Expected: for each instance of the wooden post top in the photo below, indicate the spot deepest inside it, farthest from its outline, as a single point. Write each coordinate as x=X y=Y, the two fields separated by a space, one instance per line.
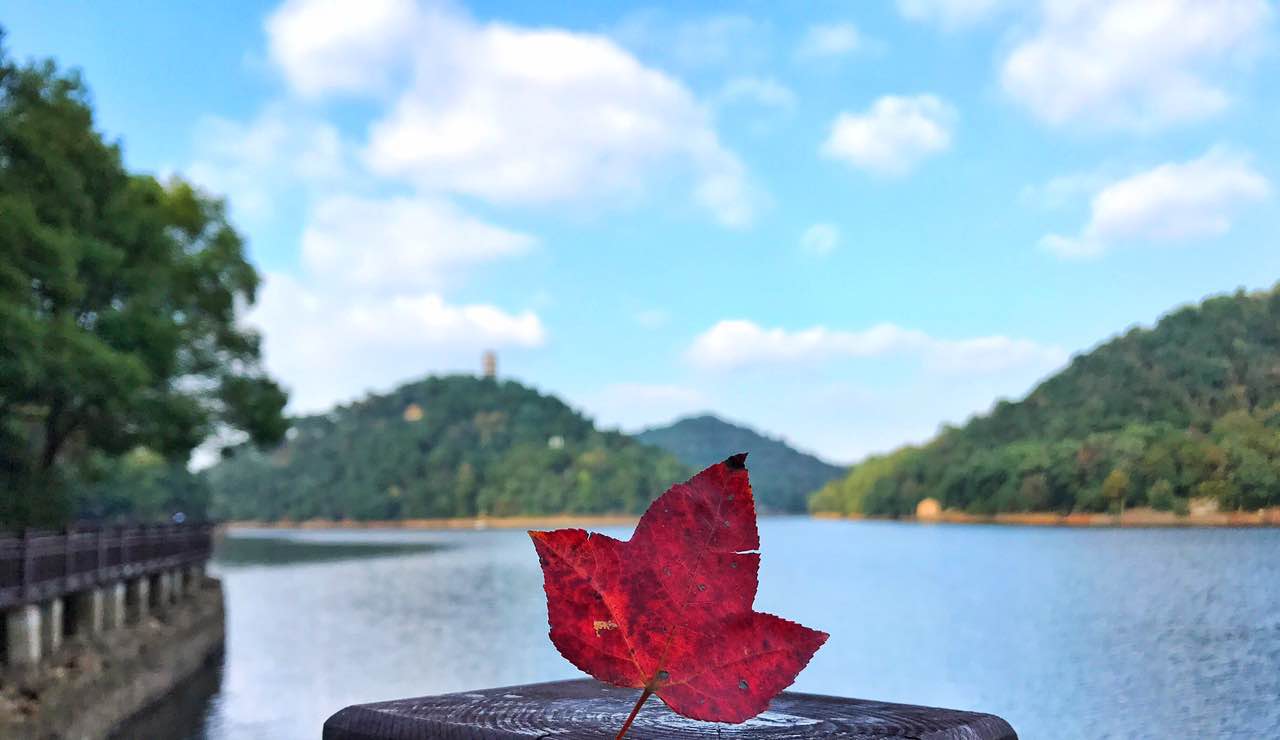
x=589 y=709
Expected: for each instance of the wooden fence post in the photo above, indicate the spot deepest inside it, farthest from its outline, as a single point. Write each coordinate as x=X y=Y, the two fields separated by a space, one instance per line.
x=68 y=556
x=28 y=565
x=101 y=563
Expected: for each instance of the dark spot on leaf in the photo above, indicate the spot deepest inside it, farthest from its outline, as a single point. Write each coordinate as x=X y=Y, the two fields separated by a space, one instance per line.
x=737 y=462
x=666 y=571
x=733 y=565
x=742 y=684
x=702 y=587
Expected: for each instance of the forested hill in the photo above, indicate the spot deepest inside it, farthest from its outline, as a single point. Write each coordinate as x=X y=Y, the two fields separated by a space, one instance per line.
x=1187 y=409
x=781 y=477
x=442 y=447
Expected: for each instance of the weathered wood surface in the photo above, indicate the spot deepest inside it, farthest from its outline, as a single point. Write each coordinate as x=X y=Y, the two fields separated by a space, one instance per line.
x=565 y=710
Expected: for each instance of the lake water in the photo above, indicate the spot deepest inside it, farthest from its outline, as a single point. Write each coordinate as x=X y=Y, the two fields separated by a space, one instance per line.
x=1066 y=633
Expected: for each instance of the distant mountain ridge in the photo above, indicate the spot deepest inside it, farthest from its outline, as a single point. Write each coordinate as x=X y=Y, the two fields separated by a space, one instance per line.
x=1189 y=408
x=782 y=477
x=453 y=446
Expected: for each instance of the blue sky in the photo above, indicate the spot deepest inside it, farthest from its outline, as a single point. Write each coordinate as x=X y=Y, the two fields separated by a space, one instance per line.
x=841 y=223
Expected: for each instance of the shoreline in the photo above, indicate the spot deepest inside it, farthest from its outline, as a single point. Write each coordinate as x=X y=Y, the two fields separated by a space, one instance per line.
x=558 y=521
x=1137 y=518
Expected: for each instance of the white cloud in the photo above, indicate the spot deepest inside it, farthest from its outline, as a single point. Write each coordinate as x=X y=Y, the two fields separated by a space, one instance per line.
x=506 y=114
x=1174 y=202
x=509 y=114
x=333 y=46
x=366 y=311
x=820 y=239
x=762 y=91
x=991 y=354
x=725 y=191
x=633 y=406
x=252 y=163
x=894 y=135
x=1060 y=191
x=848 y=393
x=949 y=14
x=694 y=43
x=1134 y=64
x=328 y=347
x=400 y=242
x=739 y=343
x=830 y=40
x=542 y=116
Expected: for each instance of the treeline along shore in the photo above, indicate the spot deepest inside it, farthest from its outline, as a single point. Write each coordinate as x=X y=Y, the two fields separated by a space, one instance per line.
x=1142 y=517
x=1134 y=517
x=1179 y=423
x=1176 y=425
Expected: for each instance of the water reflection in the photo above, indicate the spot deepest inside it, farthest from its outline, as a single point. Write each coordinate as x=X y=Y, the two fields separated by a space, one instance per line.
x=184 y=713
x=265 y=547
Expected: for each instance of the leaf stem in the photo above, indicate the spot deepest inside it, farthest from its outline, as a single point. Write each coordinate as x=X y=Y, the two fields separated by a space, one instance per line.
x=634 y=711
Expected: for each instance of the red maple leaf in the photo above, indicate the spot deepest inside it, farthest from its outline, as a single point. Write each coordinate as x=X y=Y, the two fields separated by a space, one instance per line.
x=669 y=611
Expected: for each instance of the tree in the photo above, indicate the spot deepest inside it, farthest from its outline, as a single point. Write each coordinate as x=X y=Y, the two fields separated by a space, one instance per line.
x=118 y=303
x=1161 y=497
x=1116 y=488
x=143 y=485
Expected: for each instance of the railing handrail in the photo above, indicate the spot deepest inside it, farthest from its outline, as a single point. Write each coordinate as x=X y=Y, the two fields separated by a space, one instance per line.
x=36 y=565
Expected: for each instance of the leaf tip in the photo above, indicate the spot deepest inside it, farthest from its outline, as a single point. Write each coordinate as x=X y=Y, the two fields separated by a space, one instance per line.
x=736 y=462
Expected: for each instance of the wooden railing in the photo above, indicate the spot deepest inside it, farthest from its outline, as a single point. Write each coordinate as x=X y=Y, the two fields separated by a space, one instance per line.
x=38 y=565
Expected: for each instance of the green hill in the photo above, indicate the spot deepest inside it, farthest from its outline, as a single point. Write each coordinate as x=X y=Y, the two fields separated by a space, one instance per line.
x=445 y=446
x=781 y=476
x=1187 y=409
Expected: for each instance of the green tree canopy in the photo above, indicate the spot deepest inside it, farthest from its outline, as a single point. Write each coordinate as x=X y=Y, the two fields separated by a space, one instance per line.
x=444 y=447
x=118 y=304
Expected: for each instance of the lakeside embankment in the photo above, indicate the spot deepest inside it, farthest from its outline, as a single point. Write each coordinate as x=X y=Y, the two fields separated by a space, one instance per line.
x=1136 y=517
x=92 y=685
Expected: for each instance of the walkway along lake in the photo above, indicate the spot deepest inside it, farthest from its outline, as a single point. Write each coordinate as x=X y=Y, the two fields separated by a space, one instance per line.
x=1067 y=633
